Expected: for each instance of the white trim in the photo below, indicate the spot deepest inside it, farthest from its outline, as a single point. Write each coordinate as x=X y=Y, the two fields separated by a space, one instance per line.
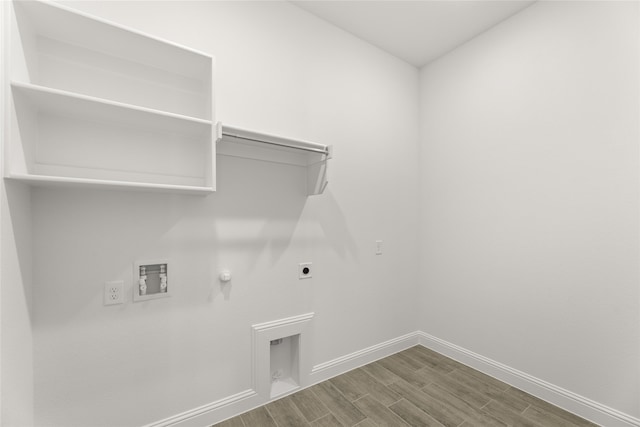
x=212 y=412
x=282 y=322
x=565 y=399
x=4 y=54
x=340 y=365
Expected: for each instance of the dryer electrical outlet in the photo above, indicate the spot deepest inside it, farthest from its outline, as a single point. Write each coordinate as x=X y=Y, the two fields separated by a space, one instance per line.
x=304 y=270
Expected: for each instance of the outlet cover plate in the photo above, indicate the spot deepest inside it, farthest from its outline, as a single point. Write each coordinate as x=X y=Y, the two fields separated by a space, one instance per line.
x=114 y=292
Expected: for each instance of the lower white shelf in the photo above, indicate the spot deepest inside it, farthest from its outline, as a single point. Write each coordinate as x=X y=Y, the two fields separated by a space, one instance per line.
x=58 y=138
x=44 y=180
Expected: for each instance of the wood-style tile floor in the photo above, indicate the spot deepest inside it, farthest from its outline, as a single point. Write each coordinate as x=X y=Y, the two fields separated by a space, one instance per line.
x=416 y=387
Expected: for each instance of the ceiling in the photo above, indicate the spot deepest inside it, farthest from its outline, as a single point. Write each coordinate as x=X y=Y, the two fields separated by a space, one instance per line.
x=415 y=31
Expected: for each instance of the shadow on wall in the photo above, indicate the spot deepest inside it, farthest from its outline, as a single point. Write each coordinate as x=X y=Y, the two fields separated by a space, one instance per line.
x=83 y=238
x=251 y=221
x=18 y=201
x=258 y=206
x=326 y=212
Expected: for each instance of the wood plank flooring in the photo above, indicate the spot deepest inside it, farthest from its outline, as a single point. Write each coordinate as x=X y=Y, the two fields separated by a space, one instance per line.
x=416 y=387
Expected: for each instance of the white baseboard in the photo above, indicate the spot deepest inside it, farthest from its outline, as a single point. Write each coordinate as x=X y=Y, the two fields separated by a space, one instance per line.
x=249 y=399
x=565 y=399
x=340 y=365
x=214 y=412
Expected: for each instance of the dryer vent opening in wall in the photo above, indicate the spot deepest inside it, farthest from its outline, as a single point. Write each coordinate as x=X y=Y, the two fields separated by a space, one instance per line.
x=281 y=354
x=284 y=365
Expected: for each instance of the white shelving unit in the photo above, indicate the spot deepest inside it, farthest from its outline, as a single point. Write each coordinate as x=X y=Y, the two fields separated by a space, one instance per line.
x=238 y=142
x=96 y=104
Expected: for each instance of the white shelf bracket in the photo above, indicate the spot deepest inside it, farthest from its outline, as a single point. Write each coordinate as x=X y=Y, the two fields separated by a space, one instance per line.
x=218 y=132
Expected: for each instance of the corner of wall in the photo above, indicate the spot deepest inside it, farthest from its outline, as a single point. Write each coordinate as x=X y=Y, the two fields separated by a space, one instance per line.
x=16 y=342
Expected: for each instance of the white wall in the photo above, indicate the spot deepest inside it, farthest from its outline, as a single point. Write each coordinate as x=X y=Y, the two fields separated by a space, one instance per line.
x=16 y=359
x=16 y=338
x=281 y=71
x=530 y=197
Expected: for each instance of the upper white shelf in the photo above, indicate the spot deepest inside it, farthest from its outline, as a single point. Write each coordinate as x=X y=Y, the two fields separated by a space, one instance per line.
x=239 y=142
x=71 y=182
x=84 y=107
x=58 y=22
x=99 y=105
x=58 y=47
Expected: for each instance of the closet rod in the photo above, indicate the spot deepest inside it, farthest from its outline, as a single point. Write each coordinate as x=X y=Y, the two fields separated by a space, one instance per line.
x=281 y=143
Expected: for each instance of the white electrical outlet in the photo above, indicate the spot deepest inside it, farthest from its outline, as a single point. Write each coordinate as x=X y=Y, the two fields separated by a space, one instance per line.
x=114 y=292
x=378 y=247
